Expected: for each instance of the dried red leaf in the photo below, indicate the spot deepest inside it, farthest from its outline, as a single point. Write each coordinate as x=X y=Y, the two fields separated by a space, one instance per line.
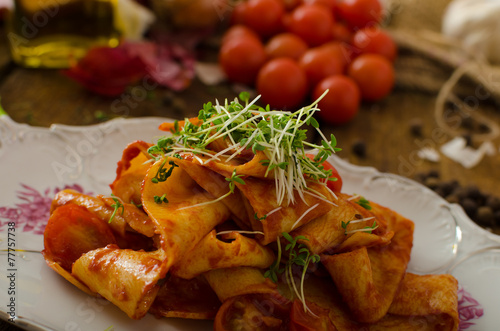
x=107 y=71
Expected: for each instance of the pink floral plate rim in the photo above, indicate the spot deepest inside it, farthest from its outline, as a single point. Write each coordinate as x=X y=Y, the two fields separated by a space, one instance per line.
x=31 y=212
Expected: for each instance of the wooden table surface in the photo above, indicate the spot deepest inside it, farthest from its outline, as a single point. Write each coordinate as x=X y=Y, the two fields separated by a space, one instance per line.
x=42 y=97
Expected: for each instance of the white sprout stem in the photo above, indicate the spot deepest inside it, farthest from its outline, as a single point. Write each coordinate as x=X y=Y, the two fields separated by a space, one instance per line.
x=240 y=231
x=361 y=220
x=278 y=174
x=273 y=211
x=227 y=133
x=192 y=150
x=332 y=193
x=301 y=183
x=216 y=156
x=278 y=150
x=315 y=193
x=231 y=120
x=303 y=299
x=303 y=215
x=290 y=184
x=361 y=230
x=354 y=197
x=292 y=280
x=113 y=197
x=309 y=144
x=239 y=150
x=301 y=112
x=296 y=291
x=315 y=103
x=323 y=136
x=206 y=202
x=278 y=142
x=320 y=198
x=198 y=159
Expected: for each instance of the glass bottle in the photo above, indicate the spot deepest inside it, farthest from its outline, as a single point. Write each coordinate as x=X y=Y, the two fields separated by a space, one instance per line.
x=56 y=33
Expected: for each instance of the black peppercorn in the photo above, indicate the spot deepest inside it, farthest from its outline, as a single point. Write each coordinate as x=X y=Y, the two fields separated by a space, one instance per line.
x=452 y=198
x=434 y=173
x=493 y=202
x=416 y=127
x=496 y=217
x=470 y=207
x=484 y=216
x=359 y=148
x=473 y=192
x=446 y=188
x=431 y=182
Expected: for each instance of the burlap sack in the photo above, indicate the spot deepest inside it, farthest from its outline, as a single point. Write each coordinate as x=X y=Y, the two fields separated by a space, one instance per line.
x=431 y=63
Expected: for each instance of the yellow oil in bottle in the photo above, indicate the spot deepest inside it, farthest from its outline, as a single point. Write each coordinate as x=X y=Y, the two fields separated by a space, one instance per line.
x=56 y=33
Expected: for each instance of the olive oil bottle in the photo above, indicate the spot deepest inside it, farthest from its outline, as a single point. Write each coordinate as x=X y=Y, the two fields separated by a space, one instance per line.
x=56 y=33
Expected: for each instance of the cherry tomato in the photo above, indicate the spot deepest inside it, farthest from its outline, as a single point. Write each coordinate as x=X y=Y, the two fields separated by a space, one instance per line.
x=313 y=23
x=320 y=62
x=301 y=320
x=374 y=75
x=282 y=83
x=330 y=4
x=264 y=16
x=257 y=312
x=360 y=13
x=334 y=185
x=340 y=50
x=340 y=32
x=238 y=31
x=291 y=4
x=375 y=40
x=286 y=45
x=341 y=104
x=237 y=14
x=241 y=59
x=72 y=231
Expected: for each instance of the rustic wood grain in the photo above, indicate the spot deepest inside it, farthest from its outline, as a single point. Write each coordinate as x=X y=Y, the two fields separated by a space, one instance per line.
x=44 y=97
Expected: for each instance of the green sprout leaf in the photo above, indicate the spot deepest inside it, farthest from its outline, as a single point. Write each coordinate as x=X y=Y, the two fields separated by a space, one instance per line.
x=241 y=124
x=298 y=255
x=162 y=174
x=256 y=217
x=117 y=205
x=161 y=199
x=364 y=203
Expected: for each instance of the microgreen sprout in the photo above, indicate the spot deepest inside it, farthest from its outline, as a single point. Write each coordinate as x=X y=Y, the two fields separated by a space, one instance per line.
x=161 y=148
x=275 y=269
x=232 y=186
x=256 y=217
x=239 y=231
x=367 y=229
x=161 y=199
x=138 y=205
x=364 y=203
x=162 y=174
x=117 y=205
x=241 y=124
x=299 y=255
x=233 y=180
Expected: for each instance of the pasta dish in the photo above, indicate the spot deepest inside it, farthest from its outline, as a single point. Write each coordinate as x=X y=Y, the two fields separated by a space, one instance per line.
x=231 y=217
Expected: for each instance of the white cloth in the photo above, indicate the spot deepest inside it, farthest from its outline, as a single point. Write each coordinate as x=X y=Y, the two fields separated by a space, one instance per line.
x=476 y=24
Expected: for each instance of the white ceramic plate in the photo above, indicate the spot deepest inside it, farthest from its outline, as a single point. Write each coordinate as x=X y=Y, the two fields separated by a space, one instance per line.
x=37 y=162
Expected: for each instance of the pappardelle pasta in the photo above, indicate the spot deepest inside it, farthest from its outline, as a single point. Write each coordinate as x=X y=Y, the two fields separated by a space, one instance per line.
x=228 y=218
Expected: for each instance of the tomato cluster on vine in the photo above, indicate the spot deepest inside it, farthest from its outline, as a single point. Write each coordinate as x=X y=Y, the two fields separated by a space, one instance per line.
x=295 y=50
